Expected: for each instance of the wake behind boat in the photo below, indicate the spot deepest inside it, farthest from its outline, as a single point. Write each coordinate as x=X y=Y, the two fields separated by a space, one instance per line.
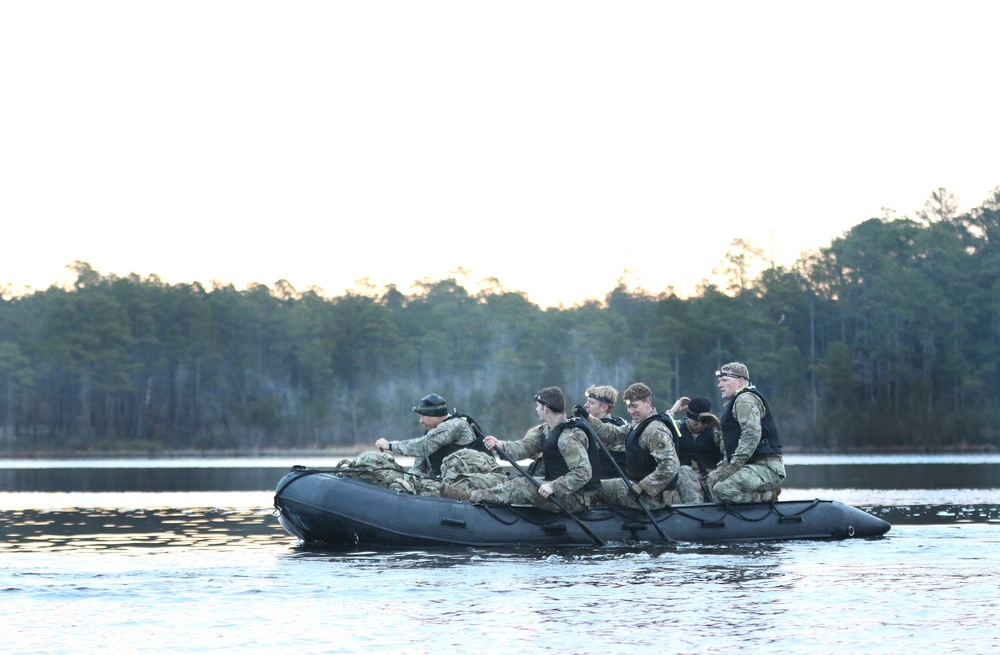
x=322 y=507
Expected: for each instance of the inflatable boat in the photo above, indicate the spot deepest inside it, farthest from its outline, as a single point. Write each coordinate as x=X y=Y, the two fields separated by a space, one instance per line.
x=345 y=513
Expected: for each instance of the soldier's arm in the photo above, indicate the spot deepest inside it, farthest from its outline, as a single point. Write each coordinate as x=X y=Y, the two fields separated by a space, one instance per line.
x=528 y=446
x=449 y=432
x=612 y=435
x=659 y=441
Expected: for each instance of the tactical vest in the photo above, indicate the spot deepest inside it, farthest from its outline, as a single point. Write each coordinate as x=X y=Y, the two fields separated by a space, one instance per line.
x=770 y=442
x=607 y=470
x=438 y=455
x=638 y=461
x=556 y=466
x=699 y=448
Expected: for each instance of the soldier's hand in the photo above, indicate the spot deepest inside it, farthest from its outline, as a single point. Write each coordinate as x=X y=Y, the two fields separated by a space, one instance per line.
x=382 y=445
x=680 y=405
x=490 y=442
x=581 y=411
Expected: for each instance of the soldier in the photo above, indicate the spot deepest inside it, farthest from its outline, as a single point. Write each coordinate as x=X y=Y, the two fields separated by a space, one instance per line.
x=754 y=469
x=700 y=443
x=569 y=455
x=651 y=463
x=444 y=434
x=600 y=401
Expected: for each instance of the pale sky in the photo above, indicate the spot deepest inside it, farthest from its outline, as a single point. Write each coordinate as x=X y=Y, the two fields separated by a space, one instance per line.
x=552 y=145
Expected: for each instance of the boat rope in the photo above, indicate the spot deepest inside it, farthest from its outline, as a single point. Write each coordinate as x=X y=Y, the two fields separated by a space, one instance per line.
x=808 y=507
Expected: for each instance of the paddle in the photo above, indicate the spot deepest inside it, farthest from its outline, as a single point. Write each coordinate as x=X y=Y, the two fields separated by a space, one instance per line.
x=552 y=499
x=638 y=497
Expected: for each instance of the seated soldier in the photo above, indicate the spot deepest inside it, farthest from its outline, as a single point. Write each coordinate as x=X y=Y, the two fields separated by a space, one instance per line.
x=651 y=465
x=569 y=454
x=444 y=435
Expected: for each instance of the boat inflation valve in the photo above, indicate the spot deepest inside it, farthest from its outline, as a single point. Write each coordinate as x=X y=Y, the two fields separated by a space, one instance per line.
x=850 y=531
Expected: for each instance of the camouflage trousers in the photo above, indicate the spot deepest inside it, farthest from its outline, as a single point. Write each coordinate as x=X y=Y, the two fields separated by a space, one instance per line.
x=748 y=484
x=616 y=493
x=521 y=491
x=685 y=489
x=689 y=486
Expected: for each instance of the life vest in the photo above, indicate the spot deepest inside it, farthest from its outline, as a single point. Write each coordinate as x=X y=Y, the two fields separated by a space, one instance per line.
x=700 y=448
x=638 y=461
x=556 y=466
x=438 y=455
x=770 y=442
x=607 y=470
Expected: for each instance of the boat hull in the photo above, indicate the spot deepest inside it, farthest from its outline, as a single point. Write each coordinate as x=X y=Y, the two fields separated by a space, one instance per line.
x=343 y=513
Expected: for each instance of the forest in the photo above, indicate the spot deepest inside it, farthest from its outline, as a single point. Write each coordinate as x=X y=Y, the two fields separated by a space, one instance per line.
x=886 y=340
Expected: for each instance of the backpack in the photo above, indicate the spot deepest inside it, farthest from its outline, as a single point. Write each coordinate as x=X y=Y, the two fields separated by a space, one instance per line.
x=372 y=466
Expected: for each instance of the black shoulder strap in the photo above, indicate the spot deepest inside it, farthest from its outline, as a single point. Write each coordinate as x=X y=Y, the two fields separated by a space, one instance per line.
x=476 y=430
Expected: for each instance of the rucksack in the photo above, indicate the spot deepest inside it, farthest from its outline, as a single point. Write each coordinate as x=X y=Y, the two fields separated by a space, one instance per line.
x=372 y=466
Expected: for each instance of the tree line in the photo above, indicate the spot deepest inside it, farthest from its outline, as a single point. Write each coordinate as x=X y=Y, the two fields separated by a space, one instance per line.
x=889 y=338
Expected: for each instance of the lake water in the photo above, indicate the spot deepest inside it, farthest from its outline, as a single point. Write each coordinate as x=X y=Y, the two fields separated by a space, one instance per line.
x=152 y=567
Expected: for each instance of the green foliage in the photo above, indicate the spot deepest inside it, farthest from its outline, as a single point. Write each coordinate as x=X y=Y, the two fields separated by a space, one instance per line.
x=887 y=338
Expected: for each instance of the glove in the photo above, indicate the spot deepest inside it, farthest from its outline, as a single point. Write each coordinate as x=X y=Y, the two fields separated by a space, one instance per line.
x=581 y=411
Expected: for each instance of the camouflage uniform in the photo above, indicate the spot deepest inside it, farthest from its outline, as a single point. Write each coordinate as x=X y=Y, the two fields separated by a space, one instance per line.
x=453 y=430
x=738 y=481
x=466 y=470
x=573 y=448
x=663 y=486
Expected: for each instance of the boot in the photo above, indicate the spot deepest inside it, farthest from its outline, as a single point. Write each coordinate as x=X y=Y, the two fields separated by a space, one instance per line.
x=448 y=491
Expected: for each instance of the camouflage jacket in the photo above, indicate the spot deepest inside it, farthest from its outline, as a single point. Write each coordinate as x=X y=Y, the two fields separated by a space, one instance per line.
x=572 y=447
x=748 y=411
x=657 y=439
x=451 y=431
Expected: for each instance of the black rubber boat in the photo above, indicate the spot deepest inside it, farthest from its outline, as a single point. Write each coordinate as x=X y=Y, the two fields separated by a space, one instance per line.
x=322 y=507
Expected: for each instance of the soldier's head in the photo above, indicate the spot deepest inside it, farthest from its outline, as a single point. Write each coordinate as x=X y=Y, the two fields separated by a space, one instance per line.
x=733 y=377
x=699 y=414
x=432 y=411
x=639 y=401
x=549 y=402
x=600 y=400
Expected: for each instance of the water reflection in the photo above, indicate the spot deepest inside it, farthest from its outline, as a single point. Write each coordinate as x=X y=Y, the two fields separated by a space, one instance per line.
x=103 y=529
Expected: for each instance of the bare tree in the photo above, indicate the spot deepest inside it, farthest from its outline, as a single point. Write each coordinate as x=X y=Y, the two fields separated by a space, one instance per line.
x=941 y=206
x=738 y=264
